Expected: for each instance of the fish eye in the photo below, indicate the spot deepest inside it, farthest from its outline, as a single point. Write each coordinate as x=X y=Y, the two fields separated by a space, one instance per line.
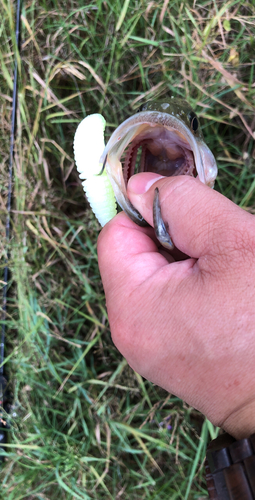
x=193 y=121
x=142 y=108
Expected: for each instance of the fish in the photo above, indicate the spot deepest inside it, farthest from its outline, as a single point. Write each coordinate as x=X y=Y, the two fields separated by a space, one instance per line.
x=163 y=137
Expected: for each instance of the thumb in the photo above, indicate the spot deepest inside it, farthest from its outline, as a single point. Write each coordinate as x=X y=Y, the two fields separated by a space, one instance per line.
x=201 y=221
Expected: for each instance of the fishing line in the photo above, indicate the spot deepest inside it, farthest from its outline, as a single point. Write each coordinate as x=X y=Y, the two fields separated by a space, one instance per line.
x=3 y=379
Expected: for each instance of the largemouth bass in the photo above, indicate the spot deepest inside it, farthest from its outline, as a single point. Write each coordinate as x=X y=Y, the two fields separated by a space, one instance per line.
x=164 y=137
x=170 y=141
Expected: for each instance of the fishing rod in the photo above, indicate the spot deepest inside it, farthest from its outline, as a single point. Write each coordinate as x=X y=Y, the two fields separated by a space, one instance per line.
x=4 y=393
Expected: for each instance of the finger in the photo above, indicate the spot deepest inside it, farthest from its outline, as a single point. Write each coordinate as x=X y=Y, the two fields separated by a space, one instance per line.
x=201 y=221
x=120 y=246
x=128 y=256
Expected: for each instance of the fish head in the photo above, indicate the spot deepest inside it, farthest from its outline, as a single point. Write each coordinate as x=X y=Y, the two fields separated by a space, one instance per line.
x=163 y=137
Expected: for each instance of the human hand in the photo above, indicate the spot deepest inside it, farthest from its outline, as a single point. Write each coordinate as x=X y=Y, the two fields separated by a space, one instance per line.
x=188 y=326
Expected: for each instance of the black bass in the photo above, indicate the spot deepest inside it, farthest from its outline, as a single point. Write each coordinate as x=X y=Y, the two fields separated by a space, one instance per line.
x=162 y=137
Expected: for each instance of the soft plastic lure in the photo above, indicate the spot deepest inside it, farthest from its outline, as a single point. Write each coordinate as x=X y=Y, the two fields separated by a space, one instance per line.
x=88 y=148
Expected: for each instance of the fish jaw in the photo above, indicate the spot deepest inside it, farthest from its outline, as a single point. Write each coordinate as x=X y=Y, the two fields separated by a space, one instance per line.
x=120 y=191
x=209 y=164
x=156 y=128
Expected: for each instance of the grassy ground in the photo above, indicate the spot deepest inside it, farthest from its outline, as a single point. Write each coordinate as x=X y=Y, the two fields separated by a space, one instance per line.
x=84 y=426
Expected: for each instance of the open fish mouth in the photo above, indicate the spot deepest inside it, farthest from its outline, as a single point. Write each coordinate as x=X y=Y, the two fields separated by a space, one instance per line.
x=165 y=143
x=158 y=150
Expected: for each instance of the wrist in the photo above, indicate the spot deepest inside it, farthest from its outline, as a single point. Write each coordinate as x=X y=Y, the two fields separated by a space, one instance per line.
x=241 y=423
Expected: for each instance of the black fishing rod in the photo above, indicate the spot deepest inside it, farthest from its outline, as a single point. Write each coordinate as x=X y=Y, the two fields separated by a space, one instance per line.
x=4 y=397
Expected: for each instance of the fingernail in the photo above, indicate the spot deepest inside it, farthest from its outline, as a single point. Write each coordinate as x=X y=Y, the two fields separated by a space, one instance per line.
x=140 y=183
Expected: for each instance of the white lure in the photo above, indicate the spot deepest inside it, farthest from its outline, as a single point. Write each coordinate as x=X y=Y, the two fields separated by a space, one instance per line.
x=88 y=148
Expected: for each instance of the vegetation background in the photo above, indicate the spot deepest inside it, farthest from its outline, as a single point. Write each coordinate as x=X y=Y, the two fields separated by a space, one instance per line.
x=83 y=424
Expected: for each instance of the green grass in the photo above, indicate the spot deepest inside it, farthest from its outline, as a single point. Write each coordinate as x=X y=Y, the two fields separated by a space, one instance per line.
x=83 y=425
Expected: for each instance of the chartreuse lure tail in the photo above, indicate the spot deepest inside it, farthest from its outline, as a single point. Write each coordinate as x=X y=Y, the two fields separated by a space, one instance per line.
x=88 y=148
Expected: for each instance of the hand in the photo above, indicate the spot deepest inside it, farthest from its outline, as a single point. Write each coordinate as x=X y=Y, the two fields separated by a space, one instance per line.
x=188 y=326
